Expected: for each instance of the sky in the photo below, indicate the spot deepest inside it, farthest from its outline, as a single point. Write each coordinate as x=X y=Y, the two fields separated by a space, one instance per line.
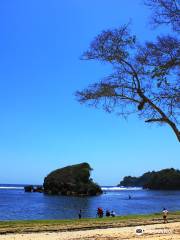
x=42 y=126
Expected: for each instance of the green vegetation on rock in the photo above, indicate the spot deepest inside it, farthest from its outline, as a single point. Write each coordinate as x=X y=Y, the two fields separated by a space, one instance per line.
x=71 y=180
x=166 y=179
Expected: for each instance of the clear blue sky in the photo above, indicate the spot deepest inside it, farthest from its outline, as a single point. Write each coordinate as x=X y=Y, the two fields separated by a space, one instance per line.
x=42 y=126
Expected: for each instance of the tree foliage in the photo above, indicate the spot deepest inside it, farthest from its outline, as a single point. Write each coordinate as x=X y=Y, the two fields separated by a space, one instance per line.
x=165 y=12
x=144 y=79
x=166 y=179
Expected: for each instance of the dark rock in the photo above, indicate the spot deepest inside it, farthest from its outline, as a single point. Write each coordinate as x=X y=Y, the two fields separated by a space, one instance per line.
x=38 y=189
x=28 y=188
x=31 y=188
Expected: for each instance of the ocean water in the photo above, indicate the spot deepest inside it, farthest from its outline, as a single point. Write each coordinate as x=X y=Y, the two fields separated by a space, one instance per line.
x=15 y=204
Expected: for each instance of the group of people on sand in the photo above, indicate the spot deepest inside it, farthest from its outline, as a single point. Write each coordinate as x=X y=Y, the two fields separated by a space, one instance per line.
x=100 y=213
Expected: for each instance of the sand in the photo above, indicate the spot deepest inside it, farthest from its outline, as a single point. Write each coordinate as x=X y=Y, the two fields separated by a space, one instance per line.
x=152 y=232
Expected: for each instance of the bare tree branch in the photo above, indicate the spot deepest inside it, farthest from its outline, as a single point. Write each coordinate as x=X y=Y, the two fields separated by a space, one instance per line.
x=145 y=79
x=154 y=120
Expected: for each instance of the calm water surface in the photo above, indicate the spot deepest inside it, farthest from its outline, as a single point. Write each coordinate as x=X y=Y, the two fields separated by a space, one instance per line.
x=15 y=204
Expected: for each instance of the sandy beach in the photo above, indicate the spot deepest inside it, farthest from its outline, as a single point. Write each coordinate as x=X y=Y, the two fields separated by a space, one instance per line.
x=151 y=232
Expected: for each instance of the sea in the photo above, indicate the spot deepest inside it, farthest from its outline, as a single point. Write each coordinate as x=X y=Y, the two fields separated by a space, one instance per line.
x=15 y=204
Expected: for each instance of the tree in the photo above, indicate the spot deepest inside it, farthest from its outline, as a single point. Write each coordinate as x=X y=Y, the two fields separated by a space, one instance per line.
x=145 y=79
x=165 y=12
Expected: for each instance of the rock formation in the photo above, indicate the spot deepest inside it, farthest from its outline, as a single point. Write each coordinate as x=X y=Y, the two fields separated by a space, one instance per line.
x=71 y=181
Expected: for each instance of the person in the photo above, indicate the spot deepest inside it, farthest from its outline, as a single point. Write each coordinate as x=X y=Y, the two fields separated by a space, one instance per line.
x=108 y=214
x=165 y=213
x=100 y=212
x=113 y=214
x=130 y=197
x=80 y=214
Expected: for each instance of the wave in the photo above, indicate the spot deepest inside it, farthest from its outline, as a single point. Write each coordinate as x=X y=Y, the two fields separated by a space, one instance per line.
x=120 y=188
x=5 y=187
x=11 y=188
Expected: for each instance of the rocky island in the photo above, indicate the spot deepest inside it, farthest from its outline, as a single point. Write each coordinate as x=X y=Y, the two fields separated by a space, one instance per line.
x=71 y=181
x=165 y=179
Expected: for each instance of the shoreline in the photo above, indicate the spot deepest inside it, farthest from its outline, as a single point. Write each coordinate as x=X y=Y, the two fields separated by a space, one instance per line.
x=43 y=226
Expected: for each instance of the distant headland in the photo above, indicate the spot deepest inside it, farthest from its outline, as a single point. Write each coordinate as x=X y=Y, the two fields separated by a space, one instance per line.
x=165 y=179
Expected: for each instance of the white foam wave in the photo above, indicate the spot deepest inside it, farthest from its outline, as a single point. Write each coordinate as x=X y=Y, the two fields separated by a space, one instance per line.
x=11 y=188
x=120 y=188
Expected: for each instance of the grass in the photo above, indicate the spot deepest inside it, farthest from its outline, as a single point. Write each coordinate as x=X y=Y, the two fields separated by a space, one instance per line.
x=83 y=224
